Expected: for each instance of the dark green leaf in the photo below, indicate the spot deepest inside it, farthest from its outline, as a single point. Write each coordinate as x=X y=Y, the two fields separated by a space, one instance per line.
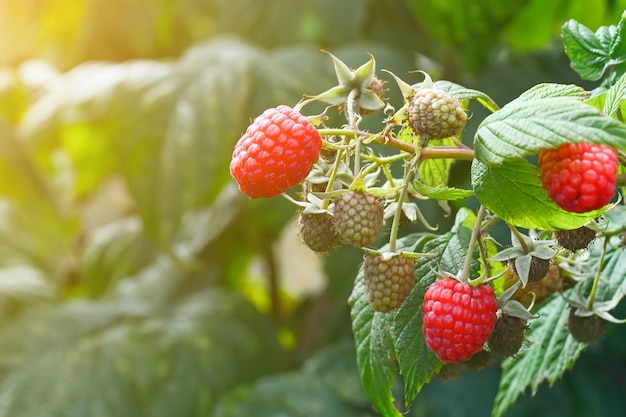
x=328 y=385
x=91 y=358
x=374 y=350
x=417 y=362
x=551 y=350
x=592 y=53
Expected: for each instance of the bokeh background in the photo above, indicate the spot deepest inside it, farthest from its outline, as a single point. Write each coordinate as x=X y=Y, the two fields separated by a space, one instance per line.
x=136 y=281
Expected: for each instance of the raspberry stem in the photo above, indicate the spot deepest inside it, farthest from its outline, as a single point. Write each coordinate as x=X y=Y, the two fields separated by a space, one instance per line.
x=470 y=250
x=333 y=176
x=596 y=279
x=431 y=152
x=353 y=120
x=408 y=170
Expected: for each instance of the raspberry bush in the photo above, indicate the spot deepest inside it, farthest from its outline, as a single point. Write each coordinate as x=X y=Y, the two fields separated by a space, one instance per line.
x=544 y=164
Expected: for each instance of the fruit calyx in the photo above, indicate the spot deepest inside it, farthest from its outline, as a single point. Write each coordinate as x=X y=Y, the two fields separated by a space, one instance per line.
x=529 y=257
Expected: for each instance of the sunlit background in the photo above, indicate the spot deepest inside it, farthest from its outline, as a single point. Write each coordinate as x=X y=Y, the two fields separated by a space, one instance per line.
x=136 y=281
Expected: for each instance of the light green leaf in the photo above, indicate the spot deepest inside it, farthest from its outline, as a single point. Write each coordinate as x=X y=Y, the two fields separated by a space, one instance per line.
x=465 y=94
x=515 y=193
x=433 y=172
x=441 y=192
x=534 y=122
x=615 y=97
x=25 y=283
x=592 y=53
x=112 y=252
x=551 y=90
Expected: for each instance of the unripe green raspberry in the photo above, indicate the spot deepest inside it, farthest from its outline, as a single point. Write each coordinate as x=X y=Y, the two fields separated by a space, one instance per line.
x=358 y=217
x=317 y=231
x=435 y=114
x=388 y=280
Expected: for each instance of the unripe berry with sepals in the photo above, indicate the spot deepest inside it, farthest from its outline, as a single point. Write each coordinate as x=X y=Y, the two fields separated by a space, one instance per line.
x=508 y=335
x=435 y=114
x=585 y=329
x=388 y=280
x=457 y=318
x=277 y=151
x=359 y=217
x=538 y=268
x=537 y=291
x=575 y=239
x=317 y=231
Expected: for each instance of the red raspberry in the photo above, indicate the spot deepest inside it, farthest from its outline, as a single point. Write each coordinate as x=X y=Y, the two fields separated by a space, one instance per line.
x=579 y=177
x=277 y=151
x=457 y=318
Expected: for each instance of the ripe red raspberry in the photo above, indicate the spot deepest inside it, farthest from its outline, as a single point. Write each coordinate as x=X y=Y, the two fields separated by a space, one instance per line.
x=579 y=177
x=277 y=151
x=457 y=318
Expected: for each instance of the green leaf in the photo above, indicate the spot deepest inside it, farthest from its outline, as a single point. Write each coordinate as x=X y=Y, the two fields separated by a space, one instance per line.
x=552 y=350
x=433 y=172
x=114 y=252
x=615 y=97
x=465 y=94
x=538 y=120
x=327 y=385
x=418 y=362
x=374 y=350
x=551 y=90
x=374 y=345
x=515 y=193
x=150 y=357
x=442 y=193
x=592 y=53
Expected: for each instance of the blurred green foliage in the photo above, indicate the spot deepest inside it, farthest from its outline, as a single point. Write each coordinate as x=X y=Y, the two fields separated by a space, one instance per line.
x=127 y=256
